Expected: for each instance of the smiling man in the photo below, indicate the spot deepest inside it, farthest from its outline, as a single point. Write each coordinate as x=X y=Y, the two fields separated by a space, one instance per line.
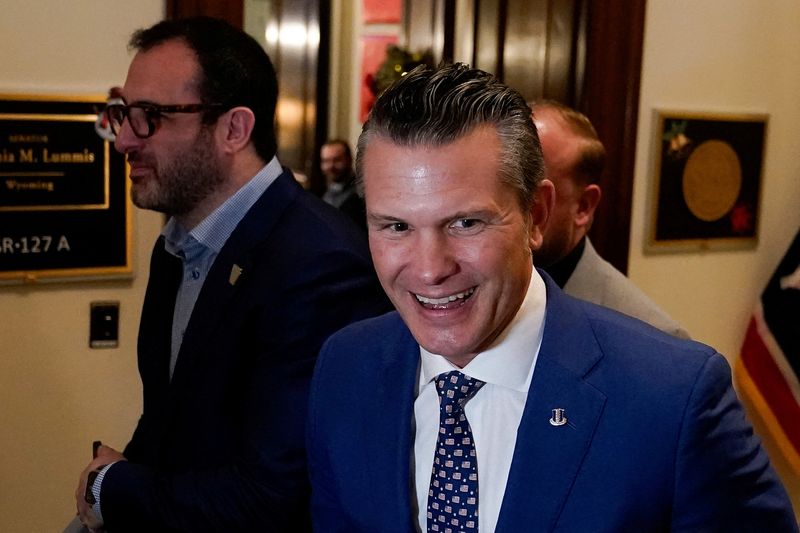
x=491 y=401
x=248 y=278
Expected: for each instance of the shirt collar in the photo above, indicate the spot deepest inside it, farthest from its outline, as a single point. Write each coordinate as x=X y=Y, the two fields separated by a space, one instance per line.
x=213 y=231
x=510 y=360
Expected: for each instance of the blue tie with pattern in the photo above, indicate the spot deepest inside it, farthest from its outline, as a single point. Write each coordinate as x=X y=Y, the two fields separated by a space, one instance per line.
x=453 y=494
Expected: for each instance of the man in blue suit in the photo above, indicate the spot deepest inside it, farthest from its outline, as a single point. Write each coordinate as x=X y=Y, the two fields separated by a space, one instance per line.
x=492 y=401
x=249 y=277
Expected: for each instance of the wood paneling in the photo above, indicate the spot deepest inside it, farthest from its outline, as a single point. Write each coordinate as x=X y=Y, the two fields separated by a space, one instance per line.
x=560 y=58
x=489 y=32
x=525 y=47
x=614 y=36
x=230 y=10
x=421 y=31
x=464 y=33
x=295 y=55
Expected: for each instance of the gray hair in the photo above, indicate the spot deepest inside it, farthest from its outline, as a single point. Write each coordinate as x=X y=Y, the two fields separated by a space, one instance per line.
x=434 y=107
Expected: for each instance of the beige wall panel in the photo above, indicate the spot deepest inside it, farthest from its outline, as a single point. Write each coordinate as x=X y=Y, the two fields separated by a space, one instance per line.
x=57 y=395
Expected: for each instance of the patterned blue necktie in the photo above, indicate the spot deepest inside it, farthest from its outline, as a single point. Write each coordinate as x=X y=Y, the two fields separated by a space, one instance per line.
x=453 y=494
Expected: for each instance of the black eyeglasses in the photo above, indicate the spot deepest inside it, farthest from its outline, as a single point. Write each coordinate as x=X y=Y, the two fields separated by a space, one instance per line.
x=145 y=118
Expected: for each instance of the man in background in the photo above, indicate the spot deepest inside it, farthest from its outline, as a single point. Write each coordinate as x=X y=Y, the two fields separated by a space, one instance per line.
x=492 y=401
x=574 y=159
x=249 y=276
x=336 y=162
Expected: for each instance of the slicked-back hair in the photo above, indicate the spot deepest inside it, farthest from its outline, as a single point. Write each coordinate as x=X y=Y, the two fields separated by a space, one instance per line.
x=592 y=154
x=235 y=71
x=435 y=107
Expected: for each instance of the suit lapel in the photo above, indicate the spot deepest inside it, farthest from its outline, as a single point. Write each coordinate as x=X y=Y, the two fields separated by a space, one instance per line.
x=155 y=333
x=389 y=445
x=547 y=457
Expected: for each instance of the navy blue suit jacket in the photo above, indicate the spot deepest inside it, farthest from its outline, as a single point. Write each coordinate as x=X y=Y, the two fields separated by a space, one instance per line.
x=221 y=446
x=655 y=441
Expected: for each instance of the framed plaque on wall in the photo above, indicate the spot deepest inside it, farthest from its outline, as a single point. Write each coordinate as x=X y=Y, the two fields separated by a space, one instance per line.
x=707 y=180
x=65 y=211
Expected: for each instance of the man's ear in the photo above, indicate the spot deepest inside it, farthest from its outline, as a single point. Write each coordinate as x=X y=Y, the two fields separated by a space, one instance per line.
x=234 y=129
x=544 y=201
x=587 y=203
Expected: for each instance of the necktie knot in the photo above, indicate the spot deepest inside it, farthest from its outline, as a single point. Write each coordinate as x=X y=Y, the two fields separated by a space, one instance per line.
x=455 y=389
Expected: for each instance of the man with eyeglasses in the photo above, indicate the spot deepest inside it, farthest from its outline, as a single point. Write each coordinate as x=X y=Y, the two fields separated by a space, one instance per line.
x=249 y=276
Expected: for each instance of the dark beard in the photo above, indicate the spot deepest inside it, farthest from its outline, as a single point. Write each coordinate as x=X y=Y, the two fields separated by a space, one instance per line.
x=191 y=177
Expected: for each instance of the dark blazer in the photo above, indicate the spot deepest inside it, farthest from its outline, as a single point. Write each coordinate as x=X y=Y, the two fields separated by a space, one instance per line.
x=355 y=208
x=221 y=447
x=655 y=441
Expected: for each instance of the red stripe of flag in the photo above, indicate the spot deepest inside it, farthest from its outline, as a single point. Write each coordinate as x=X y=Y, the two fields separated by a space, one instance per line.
x=771 y=383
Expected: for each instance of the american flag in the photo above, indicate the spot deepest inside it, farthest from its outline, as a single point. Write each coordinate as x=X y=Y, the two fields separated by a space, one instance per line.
x=769 y=367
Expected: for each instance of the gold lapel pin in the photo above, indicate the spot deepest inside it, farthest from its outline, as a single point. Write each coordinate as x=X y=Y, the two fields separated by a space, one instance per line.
x=236 y=271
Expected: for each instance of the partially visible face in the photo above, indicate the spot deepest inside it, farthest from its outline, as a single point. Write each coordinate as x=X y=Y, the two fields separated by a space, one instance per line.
x=335 y=164
x=175 y=169
x=450 y=242
x=560 y=151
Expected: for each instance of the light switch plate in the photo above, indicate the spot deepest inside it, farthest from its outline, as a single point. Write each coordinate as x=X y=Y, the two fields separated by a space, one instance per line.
x=104 y=325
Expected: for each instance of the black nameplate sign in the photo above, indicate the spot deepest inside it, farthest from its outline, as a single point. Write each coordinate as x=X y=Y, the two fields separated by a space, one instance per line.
x=65 y=212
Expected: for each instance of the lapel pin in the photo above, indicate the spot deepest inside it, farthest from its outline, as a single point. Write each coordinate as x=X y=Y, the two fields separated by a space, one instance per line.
x=558 y=418
x=236 y=271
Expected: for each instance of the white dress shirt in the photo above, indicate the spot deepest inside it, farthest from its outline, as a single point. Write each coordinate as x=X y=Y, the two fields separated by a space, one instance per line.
x=494 y=413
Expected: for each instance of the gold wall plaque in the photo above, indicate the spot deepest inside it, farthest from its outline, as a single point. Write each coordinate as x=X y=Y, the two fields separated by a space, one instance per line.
x=706 y=187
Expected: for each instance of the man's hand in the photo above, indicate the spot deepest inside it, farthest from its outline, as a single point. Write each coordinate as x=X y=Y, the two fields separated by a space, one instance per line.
x=105 y=456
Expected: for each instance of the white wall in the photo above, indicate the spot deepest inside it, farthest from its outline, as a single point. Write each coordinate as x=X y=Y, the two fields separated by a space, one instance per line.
x=57 y=395
x=721 y=55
